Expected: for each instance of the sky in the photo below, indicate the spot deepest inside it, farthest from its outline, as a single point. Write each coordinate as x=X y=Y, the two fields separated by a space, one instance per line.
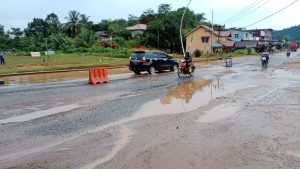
x=17 y=13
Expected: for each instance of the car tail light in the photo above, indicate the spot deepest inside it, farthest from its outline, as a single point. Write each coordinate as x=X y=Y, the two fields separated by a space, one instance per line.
x=143 y=60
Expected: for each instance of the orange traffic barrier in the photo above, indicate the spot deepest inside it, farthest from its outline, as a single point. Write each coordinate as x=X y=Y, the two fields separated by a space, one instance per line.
x=104 y=75
x=98 y=75
x=92 y=79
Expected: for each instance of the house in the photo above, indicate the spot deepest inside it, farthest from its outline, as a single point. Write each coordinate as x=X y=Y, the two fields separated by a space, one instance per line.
x=104 y=36
x=262 y=34
x=200 y=38
x=228 y=46
x=238 y=35
x=246 y=44
x=137 y=29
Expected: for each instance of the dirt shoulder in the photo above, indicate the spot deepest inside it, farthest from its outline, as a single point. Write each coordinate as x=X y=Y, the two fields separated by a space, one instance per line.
x=262 y=133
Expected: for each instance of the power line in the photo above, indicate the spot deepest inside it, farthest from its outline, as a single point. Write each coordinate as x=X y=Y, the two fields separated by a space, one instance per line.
x=239 y=18
x=242 y=11
x=272 y=14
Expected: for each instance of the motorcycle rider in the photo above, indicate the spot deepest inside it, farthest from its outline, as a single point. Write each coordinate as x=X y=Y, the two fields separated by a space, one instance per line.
x=266 y=53
x=188 y=59
x=288 y=52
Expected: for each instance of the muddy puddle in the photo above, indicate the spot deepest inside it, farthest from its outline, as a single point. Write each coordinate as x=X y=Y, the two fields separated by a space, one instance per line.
x=188 y=96
x=220 y=112
x=53 y=77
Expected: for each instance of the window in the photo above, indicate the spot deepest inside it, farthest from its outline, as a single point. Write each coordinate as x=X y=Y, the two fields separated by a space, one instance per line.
x=236 y=36
x=205 y=39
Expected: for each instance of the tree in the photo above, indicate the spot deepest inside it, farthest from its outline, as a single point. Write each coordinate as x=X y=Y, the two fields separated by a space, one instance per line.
x=2 y=32
x=38 y=28
x=3 y=39
x=60 y=42
x=85 y=22
x=72 y=24
x=147 y=16
x=164 y=9
x=54 y=23
x=16 y=32
x=85 y=39
x=132 y=20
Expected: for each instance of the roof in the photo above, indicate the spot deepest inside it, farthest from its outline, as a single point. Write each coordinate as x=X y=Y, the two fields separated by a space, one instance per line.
x=246 y=43
x=101 y=33
x=228 y=43
x=137 y=27
x=254 y=30
x=238 y=29
x=222 y=33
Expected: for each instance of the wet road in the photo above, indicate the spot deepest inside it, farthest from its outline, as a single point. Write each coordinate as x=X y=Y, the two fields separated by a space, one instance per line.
x=35 y=119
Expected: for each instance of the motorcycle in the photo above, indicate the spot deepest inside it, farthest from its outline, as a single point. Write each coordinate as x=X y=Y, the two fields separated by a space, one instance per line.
x=264 y=60
x=184 y=70
x=288 y=54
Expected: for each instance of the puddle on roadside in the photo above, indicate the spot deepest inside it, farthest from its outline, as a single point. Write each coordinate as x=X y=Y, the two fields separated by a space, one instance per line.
x=184 y=97
x=39 y=114
x=217 y=113
x=188 y=96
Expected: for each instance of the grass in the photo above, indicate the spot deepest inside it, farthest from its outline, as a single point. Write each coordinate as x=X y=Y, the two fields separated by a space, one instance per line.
x=22 y=64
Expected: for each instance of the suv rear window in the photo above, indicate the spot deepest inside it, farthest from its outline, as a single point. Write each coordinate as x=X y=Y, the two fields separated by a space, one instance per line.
x=137 y=55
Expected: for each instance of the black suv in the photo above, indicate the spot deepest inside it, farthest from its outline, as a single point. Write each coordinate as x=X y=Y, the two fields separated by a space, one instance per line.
x=151 y=61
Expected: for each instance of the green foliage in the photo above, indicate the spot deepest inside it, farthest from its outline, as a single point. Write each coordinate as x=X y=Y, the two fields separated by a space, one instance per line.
x=246 y=51
x=249 y=51
x=290 y=34
x=38 y=29
x=79 y=31
x=85 y=39
x=60 y=42
x=197 y=53
x=54 y=24
x=72 y=25
x=120 y=41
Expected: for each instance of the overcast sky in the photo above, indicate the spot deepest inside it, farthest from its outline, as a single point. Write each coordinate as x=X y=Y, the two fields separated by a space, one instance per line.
x=17 y=13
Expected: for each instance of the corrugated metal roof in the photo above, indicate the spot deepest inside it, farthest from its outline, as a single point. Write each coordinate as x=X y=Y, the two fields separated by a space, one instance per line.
x=228 y=43
x=137 y=27
x=222 y=33
x=246 y=43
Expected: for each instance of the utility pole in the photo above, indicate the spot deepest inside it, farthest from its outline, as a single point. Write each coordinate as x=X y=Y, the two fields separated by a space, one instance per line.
x=181 y=23
x=212 y=29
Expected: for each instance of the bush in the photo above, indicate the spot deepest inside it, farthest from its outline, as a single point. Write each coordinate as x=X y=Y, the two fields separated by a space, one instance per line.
x=197 y=53
x=249 y=51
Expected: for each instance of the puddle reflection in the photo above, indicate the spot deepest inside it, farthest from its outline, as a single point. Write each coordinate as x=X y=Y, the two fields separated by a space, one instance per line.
x=185 y=91
x=184 y=97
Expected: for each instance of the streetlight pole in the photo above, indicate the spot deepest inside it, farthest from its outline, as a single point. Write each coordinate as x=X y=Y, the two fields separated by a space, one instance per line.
x=182 y=46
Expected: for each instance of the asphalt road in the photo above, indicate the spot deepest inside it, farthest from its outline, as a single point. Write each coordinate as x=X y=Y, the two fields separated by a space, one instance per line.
x=36 y=118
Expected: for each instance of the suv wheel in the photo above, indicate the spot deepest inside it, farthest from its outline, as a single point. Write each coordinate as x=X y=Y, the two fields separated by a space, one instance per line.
x=152 y=70
x=137 y=72
x=174 y=68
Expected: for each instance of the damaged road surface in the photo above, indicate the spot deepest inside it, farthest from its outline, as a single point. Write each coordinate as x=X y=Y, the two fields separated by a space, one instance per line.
x=240 y=117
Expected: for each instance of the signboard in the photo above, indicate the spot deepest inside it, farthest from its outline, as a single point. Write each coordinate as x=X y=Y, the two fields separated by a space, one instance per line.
x=49 y=52
x=35 y=54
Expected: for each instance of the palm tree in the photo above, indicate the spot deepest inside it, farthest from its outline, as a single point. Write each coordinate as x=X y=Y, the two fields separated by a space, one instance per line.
x=73 y=22
x=84 y=21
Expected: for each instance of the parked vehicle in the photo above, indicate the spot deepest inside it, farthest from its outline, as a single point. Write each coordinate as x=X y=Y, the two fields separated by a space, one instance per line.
x=184 y=70
x=151 y=61
x=293 y=46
